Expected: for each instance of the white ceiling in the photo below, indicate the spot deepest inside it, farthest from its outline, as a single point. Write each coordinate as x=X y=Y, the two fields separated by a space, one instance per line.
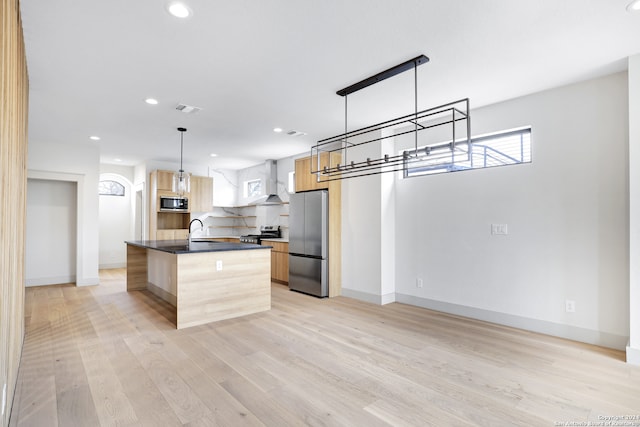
x=253 y=65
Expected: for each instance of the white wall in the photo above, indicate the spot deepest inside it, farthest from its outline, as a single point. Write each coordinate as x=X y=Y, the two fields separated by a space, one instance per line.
x=362 y=231
x=225 y=187
x=59 y=162
x=566 y=212
x=51 y=232
x=116 y=219
x=127 y=172
x=633 y=349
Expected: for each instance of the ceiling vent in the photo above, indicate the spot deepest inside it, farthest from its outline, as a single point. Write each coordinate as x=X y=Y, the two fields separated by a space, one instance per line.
x=295 y=133
x=187 y=109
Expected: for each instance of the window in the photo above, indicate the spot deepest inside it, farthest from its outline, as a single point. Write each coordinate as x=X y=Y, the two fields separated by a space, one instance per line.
x=110 y=188
x=252 y=188
x=291 y=188
x=504 y=148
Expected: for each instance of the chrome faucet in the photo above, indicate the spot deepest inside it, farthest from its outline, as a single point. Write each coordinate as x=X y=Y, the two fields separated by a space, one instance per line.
x=201 y=228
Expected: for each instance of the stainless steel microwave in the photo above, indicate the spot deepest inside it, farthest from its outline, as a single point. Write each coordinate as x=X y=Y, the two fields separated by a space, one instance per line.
x=174 y=204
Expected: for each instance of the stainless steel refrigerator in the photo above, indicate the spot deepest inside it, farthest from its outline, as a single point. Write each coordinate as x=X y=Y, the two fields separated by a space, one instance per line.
x=309 y=243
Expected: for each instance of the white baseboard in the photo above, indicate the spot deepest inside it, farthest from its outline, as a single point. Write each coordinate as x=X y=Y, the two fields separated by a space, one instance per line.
x=112 y=265
x=367 y=297
x=61 y=280
x=574 y=333
x=88 y=281
x=45 y=281
x=388 y=298
x=633 y=355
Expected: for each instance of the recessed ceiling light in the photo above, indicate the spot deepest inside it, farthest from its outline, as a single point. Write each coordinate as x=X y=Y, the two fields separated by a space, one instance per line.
x=95 y=138
x=151 y=101
x=179 y=10
x=213 y=155
x=117 y=160
x=277 y=130
x=634 y=6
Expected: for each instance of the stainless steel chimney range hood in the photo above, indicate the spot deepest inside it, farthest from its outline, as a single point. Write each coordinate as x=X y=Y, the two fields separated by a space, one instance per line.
x=272 y=198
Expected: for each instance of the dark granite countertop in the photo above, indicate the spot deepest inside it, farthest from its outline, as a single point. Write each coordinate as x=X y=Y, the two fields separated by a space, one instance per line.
x=181 y=246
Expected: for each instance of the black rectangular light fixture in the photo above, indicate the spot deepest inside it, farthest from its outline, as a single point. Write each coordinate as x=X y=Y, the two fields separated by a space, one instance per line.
x=338 y=165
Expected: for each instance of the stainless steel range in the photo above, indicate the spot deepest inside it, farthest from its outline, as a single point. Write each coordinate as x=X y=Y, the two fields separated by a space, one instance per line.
x=266 y=232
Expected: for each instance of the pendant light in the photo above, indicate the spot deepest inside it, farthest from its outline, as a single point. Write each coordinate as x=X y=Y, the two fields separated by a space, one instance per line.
x=181 y=181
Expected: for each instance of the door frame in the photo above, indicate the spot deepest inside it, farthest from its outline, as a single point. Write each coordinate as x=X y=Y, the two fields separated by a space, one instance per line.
x=79 y=180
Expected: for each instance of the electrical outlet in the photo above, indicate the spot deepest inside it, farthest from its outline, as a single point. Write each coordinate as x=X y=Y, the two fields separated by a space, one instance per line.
x=219 y=265
x=499 y=229
x=570 y=306
x=418 y=283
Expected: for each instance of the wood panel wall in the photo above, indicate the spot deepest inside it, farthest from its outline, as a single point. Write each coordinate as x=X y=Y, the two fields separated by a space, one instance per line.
x=14 y=91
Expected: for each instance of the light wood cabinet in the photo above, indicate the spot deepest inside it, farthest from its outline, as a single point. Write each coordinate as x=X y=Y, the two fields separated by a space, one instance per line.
x=174 y=225
x=201 y=195
x=165 y=235
x=305 y=180
x=279 y=261
x=172 y=234
x=164 y=180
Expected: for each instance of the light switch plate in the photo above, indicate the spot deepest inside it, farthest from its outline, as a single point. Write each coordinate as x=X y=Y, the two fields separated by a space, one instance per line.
x=219 y=265
x=499 y=229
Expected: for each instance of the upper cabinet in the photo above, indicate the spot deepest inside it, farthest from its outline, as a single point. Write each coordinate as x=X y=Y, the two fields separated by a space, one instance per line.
x=164 y=180
x=305 y=180
x=201 y=196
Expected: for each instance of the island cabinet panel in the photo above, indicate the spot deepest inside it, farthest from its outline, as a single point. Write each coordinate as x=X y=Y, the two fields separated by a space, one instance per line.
x=206 y=294
x=136 y=268
x=162 y=275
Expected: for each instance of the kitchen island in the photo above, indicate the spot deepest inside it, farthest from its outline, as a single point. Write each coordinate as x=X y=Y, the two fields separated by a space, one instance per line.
x=206 y=281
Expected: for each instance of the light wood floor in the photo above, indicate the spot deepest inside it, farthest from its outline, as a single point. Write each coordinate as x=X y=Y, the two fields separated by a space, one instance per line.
x=101 y=356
